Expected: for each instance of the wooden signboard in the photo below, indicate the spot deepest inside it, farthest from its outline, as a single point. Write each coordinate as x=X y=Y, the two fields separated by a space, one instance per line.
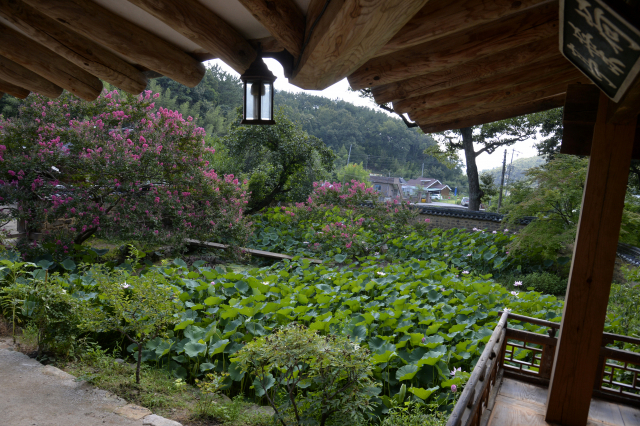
x=601 y=44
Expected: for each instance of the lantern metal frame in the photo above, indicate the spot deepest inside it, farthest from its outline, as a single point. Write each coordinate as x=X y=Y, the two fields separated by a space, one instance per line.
x=257 y=73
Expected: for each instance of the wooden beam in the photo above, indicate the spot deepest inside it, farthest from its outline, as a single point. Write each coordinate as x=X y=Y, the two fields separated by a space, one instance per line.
x=441 y=18
x=283 y=19
x=254 y=252
x=48 y=64
x=471 y=71
x=575 y=367
x=498 y=83
x=114 y=32
x=520 y=94
x=22 y=77
x=13 y=90
x=580 y=114
x=346 y=35
x=201 y=25
x=79 y=50
x=629 y=106
x=513 y=111
x=524 y=28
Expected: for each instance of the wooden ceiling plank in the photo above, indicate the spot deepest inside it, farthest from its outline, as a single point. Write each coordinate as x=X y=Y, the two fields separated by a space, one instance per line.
x=440 y=18
x=470 y=71
x=20 y=76
x=116 y=33
x=79 y=50
x=526 y=27
x=545 y=70
x=48 y=64
x=524 y=93
x=13 y=90
x=347 y=34
x=283 y=19
x=513 y=111
x=201 y=25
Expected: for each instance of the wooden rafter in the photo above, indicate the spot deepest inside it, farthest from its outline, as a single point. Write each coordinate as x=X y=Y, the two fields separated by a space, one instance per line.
x=114 y=32
x=13 y=90
x=48 y=64
x=526 y=27
x=201 y=25
x=441 y=18
x=501 y=82
x=503 y=114
x=346 y=35
x=20 y=76
x=471 y=71
x=522 y=93
x=79 y=50
x=283 y=19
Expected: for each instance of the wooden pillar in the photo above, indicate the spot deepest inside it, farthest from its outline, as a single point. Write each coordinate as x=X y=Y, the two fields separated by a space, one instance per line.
x=576 y=360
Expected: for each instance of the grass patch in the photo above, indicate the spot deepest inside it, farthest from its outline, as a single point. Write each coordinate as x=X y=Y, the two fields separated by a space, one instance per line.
x=160 y=392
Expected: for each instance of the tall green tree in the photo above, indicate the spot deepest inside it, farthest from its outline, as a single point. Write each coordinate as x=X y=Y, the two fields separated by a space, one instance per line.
x=280 y=162
x=488 y=137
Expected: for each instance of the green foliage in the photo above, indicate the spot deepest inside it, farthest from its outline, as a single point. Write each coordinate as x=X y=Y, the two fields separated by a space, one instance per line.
x=310 y=379
x=141 y=308
x=210 y=389
x=353 y=171
x=546 y=283
x=280 y=162
x=553 y=195
x=550 y=124
x=488 y=186
x=413 y=414
x=624 y=305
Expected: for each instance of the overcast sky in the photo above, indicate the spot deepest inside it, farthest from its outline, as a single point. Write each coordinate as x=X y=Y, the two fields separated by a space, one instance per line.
x=340 y=90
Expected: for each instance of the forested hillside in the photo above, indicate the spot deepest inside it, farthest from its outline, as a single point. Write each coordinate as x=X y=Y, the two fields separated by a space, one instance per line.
x=381 y=143
x=516 y=171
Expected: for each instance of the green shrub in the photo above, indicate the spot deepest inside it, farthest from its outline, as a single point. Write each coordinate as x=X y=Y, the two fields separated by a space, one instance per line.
x=623 y=309
x=546 y=283
x=414 y=414
x=309 y=379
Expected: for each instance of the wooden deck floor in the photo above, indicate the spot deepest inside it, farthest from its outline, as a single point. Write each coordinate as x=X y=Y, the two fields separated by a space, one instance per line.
x=519 y=403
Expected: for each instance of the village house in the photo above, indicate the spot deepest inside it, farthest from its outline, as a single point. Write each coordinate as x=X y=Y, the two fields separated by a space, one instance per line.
x=388 y=187
x=430 y=185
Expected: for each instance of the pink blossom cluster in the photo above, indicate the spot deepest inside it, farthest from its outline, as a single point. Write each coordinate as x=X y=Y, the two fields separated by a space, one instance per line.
x=117 y=165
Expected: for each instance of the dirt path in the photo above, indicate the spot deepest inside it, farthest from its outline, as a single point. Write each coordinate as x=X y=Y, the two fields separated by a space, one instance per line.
x=32 y=394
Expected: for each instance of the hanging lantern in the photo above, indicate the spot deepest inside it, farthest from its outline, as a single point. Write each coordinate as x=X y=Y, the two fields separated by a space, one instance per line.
x=258 y=94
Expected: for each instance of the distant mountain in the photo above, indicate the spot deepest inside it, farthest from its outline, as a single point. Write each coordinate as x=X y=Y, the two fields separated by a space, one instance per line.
x=515 y=171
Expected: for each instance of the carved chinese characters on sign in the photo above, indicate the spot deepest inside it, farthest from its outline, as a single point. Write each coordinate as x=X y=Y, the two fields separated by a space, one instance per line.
x=603 y=45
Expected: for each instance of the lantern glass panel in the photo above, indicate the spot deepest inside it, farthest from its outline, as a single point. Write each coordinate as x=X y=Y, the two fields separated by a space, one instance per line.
x=266 y=102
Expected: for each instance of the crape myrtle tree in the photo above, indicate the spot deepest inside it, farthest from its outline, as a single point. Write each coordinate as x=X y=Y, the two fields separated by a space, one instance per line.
x=117 y=166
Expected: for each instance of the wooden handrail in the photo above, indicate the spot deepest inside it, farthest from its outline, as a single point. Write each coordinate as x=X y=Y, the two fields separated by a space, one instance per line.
x=468 y=394
x=536 y=321
x=608 y=338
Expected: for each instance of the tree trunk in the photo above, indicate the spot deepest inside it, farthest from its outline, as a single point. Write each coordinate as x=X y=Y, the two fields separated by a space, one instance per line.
x=475 y=193
x=139 y=362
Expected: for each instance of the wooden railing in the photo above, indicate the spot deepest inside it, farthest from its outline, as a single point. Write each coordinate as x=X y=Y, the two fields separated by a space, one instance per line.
x=528 y=356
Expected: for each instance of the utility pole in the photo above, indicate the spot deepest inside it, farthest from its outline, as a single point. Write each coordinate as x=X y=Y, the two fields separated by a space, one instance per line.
x=510 y=167
x=349 y=156
x=504 y=166
x=422 y=174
